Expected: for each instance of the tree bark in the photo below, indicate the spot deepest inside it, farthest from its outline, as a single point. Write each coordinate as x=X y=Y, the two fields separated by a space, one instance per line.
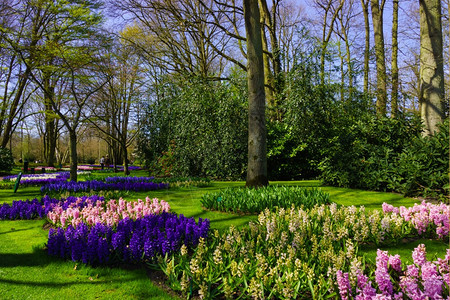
x=431 y=66
x=268 y=76
x=73 y=155
x=13 y=108
x=50 y=124
x=126 y=170
x=394 y=65
x=365 y=6
x=377 y=20
x=326 y=36
x=257 y=147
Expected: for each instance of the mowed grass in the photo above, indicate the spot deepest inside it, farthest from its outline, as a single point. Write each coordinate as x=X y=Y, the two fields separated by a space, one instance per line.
x=27 y=272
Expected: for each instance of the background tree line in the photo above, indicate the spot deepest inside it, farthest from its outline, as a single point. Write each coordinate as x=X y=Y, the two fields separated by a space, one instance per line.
x=176 y=75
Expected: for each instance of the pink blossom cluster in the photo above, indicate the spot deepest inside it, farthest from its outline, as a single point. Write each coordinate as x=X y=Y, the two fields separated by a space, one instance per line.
x=419 y=281
x=106 y=212
x=85 y=168
x=424 y=216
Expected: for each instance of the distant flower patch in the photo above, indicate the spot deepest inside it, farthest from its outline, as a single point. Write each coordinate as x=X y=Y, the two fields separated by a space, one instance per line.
x=128 y=179
x=118 y=167
x=85 y=168
x=95 y=185
x=42 y=179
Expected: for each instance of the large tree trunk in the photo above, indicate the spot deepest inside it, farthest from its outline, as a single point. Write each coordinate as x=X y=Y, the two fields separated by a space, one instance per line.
x=73 y=155
x=257 y=152
x=377 y=20
x=365 y=6
x=431 y=65
x=394 y=66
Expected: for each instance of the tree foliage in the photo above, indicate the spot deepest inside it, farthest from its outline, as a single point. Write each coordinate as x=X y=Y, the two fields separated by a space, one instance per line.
x=204 y=124
x=6 y=159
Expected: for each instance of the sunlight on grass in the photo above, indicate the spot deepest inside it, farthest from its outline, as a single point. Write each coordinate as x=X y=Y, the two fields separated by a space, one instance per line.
x=26 y=271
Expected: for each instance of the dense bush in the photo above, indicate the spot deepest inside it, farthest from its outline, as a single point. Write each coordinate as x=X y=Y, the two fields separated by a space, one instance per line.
x=6 y=159
x=198 y=129
x=390 y=155
x=360 y=155
x=422 y=167
x=255 y=200
x=130 y=241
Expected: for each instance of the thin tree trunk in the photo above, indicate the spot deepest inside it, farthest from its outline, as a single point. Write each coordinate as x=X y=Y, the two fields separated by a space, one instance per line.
x=326 y=36
x=341 y=57
x=257 y=147
x=394 y=66
x=126 y=171
x=377 y=20
x=365 y=6
x=50 y=126
x=73 y=155
x=431 y=65
x=13 y=108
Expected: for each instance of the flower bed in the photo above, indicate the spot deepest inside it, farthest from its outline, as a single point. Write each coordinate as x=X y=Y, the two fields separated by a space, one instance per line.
x=172 y=181
x=256 y=200
x=41 y=179
x=106 y=212
x=427 y=218
x=287 y=254
x=129 y=241
x=95 y=185
x=32 y=209
x=422 y=280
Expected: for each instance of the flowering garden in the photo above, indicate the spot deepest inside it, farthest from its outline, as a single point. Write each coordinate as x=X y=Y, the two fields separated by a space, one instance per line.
x=287 y=241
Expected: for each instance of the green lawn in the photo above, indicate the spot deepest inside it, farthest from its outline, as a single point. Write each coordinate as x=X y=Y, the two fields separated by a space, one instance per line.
x=27 y=272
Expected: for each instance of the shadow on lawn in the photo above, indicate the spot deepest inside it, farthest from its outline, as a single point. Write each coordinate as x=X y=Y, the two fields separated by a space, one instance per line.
x=63 y=284
x=39 y=257
x=16 y=230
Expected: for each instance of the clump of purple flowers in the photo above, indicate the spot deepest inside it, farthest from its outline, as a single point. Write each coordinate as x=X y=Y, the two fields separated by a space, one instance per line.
x=32 y=209
x=95 y=185
x=419 y=281
x=426 y=217
x=131 y=241
x=22 y=209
